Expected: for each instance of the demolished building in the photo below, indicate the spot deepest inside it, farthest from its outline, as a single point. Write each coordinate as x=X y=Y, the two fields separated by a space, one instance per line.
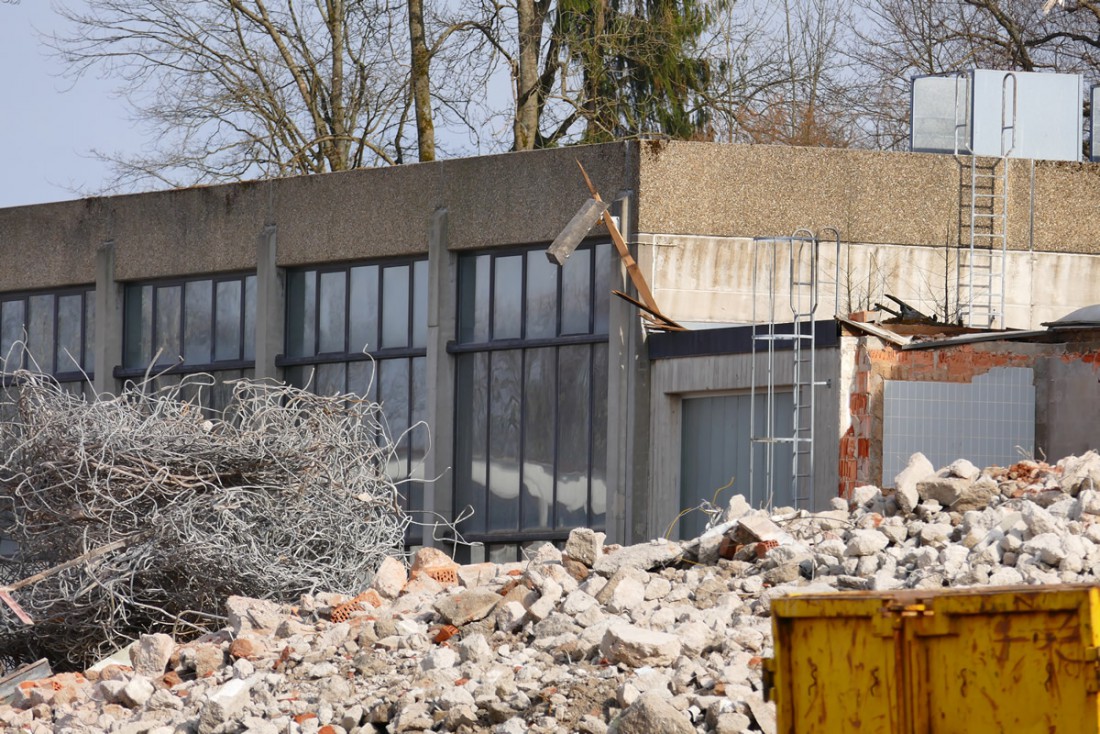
x=530 y=393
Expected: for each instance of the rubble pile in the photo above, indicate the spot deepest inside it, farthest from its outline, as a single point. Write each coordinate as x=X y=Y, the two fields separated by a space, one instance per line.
x=657 y=637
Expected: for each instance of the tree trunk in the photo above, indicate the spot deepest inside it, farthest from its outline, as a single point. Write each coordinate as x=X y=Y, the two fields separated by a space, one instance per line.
x=525 y=126
x=419 y=82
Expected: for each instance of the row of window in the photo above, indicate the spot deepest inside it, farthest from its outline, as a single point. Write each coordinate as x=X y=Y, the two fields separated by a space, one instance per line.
x=531 y=359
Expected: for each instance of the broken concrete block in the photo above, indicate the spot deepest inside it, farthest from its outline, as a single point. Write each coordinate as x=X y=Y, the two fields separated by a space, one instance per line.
x=905 y=483
x=1081 y=472
x=756 y=529
x=390 y=578
x=467 y=606
x=977 y=496
x=635 y=646
x=585 y=545
x=865 y=543
x=136 y=692
x=644 y=556
x=737 y=508
x=151 y=654
x=650 y=713
x=223 y=704
x=509 y=616
x=960 y=469
x=944 y=490
x=439 y=658
x=864 y=494
x=247 y=614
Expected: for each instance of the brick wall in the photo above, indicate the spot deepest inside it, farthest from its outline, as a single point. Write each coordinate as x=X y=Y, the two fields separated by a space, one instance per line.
x=861 y=442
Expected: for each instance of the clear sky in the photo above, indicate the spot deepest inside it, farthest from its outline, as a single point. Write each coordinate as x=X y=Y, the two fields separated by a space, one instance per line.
x=47 y=130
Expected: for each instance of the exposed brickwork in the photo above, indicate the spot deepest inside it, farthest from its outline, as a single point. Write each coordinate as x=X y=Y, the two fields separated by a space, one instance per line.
x=861 y=442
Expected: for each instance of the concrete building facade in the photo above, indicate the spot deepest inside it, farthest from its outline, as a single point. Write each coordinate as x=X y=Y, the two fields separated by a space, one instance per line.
x=526 y=392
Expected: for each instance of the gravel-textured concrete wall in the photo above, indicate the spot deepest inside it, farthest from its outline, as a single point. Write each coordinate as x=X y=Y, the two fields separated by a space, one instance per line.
x=870 y=196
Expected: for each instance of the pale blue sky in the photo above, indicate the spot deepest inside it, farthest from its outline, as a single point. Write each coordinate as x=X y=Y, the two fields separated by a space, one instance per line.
x=46 y=131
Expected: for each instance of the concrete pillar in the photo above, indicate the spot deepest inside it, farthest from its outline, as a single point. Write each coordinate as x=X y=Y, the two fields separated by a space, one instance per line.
x=108 y=320
x=442 y=299
x=627 y=406
x=270 y=304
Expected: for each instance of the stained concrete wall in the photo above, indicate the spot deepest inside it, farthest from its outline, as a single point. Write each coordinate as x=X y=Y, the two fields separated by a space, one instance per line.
x=711 y=279
x=493 y=200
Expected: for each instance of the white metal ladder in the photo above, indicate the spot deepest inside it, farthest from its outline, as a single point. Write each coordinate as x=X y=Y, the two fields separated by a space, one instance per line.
x=803 y=282
x=981 y=267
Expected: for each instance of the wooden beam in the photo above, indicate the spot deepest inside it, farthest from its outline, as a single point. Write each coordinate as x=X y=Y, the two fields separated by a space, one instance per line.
x=632 y=268
x=94 y=553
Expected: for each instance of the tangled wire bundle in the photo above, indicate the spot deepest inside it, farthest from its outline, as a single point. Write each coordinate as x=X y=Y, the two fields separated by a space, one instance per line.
x=284 y=493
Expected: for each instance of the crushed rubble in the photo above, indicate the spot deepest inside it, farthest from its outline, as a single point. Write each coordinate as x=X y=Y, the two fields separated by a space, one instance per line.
x=656 y=637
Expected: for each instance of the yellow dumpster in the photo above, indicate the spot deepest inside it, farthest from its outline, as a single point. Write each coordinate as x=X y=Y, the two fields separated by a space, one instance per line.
x=961 y=661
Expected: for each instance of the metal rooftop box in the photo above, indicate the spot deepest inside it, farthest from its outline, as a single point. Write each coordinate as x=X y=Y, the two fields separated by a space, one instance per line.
x=1017 y=114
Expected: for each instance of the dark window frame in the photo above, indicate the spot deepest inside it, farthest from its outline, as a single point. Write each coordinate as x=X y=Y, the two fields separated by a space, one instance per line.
x=87 y=346
x=458 y=347
x=381 y=354
x=125 y=371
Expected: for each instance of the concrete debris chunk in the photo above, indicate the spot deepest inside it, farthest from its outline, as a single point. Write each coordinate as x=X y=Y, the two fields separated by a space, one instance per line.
x=756 y=529
x=390 y=578
x=644 y=557
x=650 y=713
x=467 y=606
x=1080 y=473
x=944 y=490
x=918 y=469
x=151 y=654
x=636 y=646
x=585 y=545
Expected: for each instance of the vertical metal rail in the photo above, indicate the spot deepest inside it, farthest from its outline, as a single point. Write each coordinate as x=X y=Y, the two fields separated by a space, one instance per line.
x=803 y=300
x=763 y=333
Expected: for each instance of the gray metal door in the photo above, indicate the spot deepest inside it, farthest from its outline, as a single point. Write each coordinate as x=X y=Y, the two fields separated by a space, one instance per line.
x=714 y=448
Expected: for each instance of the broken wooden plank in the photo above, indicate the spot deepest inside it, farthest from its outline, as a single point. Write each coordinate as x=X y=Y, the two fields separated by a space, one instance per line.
x=94 y=553
x=14 y=606
x=659 y=320
x=631 y=264
x=9 y=684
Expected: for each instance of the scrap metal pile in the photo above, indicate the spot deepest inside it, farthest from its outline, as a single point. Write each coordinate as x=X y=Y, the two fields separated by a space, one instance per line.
x=169 y=509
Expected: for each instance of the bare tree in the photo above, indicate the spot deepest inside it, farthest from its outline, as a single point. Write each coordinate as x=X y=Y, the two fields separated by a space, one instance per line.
x=236 y=89
x=799 y=94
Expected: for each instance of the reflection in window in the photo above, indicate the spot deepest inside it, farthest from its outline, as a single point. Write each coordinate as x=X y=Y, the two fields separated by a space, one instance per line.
x=194 y=325
x=363 y=329
x=531 y=395
x=52 y=333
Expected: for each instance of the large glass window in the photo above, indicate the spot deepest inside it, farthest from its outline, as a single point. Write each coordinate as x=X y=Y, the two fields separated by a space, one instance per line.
x=173 y=328
x=531 y=412
x=195 y=325
x=362 y=329
x=51 y=332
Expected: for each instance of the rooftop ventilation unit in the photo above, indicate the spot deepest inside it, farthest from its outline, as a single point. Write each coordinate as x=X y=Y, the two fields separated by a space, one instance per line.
x=1018 y=114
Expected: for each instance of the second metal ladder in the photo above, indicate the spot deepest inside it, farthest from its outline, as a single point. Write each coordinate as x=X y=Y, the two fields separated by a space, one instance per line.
x=981 y=266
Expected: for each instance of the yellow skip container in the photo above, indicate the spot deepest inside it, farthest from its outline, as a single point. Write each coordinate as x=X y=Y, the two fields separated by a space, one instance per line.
x=1017 y=659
